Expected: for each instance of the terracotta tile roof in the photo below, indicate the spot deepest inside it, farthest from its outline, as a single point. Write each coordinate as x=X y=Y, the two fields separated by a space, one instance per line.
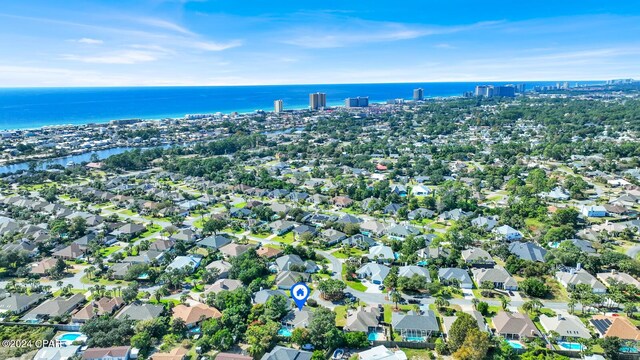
x=193 y=314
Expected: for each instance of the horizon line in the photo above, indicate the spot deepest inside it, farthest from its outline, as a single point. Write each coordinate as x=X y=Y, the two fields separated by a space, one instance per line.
x=303 y=84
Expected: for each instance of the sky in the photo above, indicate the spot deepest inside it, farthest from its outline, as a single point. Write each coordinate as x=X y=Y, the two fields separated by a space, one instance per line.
x=229 y=42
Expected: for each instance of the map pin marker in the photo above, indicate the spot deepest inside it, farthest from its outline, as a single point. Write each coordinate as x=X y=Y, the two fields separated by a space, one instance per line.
x=299 y=294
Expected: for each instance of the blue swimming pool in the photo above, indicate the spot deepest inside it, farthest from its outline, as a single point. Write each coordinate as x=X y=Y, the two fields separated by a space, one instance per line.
x=571 y=346
x=422 y=263
x=284 y=332
x=72 y=336
x=628 y=349
x=415 y=338
x=515 y=344
x=373 y=336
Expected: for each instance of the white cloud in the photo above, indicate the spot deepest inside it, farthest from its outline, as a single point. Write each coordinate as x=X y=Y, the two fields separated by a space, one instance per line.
x=212 y=46
x=353 y=31
x=124 y=57
x=90 y=41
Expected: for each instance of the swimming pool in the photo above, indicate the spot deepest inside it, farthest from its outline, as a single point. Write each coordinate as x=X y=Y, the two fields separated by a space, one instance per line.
x=515 y=344
x=70 y=337
x=415 y=338
x=571 y=346
x=284 y=332
x=628 y=349
x=373 y=336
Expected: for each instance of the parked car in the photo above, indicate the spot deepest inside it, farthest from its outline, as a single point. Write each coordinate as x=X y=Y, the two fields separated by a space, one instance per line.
x=414 y=301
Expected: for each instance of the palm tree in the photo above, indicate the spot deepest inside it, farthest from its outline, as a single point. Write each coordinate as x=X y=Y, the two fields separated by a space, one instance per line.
x=505 y=302
x=571 y=305
x=441 y=303
x=475 y=303
x=395 y=297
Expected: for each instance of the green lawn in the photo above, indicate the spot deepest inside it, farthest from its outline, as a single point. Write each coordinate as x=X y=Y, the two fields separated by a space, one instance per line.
x=355 y=285
x=390 y=308
x=127 y=212
x=340 y=254
x=286 y=239
x=341 y=315
x=109 y=250
x=417 y=354
x=151 y=229
x=261 y=235
x=240 y=205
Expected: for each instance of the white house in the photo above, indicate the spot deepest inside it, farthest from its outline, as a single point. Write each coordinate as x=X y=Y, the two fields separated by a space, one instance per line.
x=508 y=233
x=594 y=211
x=420 y=190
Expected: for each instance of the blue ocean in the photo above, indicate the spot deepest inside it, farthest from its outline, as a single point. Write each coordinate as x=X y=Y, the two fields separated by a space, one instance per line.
x=24 y=108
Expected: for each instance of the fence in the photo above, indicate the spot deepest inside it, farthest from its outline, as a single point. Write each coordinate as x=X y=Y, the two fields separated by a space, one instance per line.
x=406 y=344
x=64 y=327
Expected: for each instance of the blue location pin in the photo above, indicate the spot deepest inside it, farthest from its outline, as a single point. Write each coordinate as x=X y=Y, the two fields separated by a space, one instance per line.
x=299 y=294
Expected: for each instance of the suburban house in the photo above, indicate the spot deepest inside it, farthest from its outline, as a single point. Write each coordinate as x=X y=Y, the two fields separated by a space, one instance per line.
x=284 y=353
x=485 y=223
x=447 y=321
x=500 y=278
x=376 y=273
x=57 y=353
x=281 y=227
x=382 y=353
x=54 y=307
x=222 y=266
x=451 y=276
x=372 y=228
x=572 y=278
x=365 y=319
x=506 y=232
x=193 y=315
x=566 y=326
x=359 y=241
x=43 y=266
x=528 y=251
x=295 y=263
x=614 y=276
x=223 y=285
x=593 y=211
x=381 y=253
x=477 y=257
x=342 y=201
x=214 y=242
x=401 y=232
x=262 y=296
x=411 y=270
x=97 y=308
x=514 y=326
x=332 y=236
x=415 y=327
x=71 y=252
x=178 y=353
x=615 y=326
x=286 y=279
x=297 y=319
x=19 y=303
x=420 y=190
x=188 y=263
x=140 y=312
x=110 y=353
x=233 y=249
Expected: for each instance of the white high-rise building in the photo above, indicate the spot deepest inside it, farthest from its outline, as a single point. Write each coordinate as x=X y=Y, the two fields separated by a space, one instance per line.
x=278 y=106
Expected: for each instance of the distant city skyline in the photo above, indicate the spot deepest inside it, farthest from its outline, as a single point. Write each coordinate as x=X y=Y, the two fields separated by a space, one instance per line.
x=188 y=43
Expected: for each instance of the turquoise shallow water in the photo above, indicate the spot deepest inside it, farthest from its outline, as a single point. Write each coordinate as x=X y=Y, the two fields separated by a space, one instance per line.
x=22 y=108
